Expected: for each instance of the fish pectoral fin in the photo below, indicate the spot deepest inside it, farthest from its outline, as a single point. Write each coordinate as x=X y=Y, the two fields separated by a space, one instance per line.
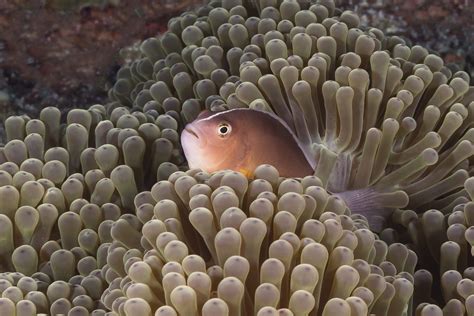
x=246 y=172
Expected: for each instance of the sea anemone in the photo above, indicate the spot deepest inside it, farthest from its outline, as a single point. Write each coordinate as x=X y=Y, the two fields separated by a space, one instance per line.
x=100 y=213
x=390 y=124
x=262 y=245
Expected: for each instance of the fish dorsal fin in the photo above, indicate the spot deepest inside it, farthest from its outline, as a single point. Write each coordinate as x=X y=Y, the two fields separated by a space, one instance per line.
x=305 y=148
x=205 y=114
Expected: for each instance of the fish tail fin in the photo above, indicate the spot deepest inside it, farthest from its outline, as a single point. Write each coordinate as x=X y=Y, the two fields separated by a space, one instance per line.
x=376 y=206
x=377 y=223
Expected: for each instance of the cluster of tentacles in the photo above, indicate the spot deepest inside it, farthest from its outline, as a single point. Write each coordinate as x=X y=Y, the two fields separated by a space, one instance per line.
x=99 y=213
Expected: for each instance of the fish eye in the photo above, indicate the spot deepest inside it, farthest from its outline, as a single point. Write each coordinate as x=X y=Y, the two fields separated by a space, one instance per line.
x=223 y=129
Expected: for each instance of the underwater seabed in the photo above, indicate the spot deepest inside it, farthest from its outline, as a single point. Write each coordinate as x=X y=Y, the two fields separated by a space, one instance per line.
x=99 y=214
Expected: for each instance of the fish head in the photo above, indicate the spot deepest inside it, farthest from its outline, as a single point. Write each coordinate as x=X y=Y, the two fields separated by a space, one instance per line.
x=211 y=141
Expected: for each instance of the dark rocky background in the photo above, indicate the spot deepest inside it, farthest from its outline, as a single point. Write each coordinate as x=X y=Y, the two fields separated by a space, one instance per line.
x=66 y=52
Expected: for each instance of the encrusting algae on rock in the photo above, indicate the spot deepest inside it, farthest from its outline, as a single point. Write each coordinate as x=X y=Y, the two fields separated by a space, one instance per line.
x=102 y=215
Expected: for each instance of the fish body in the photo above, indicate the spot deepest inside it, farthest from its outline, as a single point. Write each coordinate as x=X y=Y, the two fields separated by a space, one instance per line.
x=242 y=139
